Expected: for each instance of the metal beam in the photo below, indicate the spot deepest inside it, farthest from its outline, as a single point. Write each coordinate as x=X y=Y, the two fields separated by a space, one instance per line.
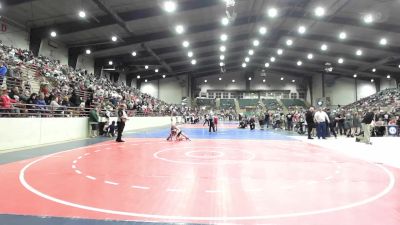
x=127 y=16
x=103 y=6
x=163 y=63
x=127 y=58
x=122 y=23
x=378 y=63
x=10 y=3
x=294 y=54
x=79 y=26
x=310 y=37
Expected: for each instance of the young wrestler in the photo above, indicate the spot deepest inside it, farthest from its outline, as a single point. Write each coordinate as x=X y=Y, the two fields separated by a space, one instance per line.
x=177 y=134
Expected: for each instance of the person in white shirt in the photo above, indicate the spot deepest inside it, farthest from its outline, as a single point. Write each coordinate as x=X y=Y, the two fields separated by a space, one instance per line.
x=320 y=118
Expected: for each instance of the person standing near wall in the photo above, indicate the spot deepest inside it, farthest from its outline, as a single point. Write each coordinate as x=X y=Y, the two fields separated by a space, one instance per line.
x=321 y=118
x=94 y=122
x=332 y=124
x=340 y=122
x=211 y=124
x=266 y=119
x=366 y=125
x=122 y=118
x=216 y=122
x=310 y=121
x=289 y=121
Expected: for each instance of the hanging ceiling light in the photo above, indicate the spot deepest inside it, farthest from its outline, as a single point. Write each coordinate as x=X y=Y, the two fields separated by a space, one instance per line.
x=169 y=6
x=82 y=14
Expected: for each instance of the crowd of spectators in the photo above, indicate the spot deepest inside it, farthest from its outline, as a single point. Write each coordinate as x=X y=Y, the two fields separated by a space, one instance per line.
x=341 y=121
x=62 y=87
x=387 y=101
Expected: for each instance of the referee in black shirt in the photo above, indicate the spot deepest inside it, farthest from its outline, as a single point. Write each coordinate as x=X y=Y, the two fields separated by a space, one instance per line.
x=122 y=118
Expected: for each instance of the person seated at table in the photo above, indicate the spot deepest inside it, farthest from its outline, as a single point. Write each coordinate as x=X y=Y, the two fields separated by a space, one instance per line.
x=109 y=130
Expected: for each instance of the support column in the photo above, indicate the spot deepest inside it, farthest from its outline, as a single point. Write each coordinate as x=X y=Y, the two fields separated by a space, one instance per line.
x=323 y=84
x=356 y=88
x=193 y=87
x=310 y=82
x=189 y=89
x=138 y=84
x=158 y=88
x=247 y=82
x=35 y=40
x=98 y=66
x=377 y=85
x=73 y=54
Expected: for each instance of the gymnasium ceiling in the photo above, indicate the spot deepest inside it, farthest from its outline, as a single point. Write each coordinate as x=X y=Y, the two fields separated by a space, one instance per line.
x=370 y=49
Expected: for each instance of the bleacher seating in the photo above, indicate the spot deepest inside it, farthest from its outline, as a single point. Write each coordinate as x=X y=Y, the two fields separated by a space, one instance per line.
x=208 y=102
x=227 y=104
x=388 y=98
x=243 y=103
x=293 y=103
x=65 y=86
x=271 y=104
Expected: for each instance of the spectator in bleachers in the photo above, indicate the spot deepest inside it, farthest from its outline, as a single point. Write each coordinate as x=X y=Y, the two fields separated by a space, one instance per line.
x=3 y=69
x=24 y=96
x=41 y=104
x=32 y=99
x=65 y=102
x=14 y=92
x=74 y=99
x=54 y=106
x=6 y=101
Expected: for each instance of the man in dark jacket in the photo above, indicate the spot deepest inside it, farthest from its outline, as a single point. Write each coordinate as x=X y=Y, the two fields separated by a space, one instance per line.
x=310 y=121
x=332 y=123
x=266 y=119
x=367 y=126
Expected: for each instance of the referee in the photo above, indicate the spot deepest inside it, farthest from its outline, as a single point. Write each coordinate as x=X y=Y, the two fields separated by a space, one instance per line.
x=122 y=118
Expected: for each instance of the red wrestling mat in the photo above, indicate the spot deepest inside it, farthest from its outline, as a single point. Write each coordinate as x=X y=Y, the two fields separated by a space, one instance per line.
x=240 y=182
